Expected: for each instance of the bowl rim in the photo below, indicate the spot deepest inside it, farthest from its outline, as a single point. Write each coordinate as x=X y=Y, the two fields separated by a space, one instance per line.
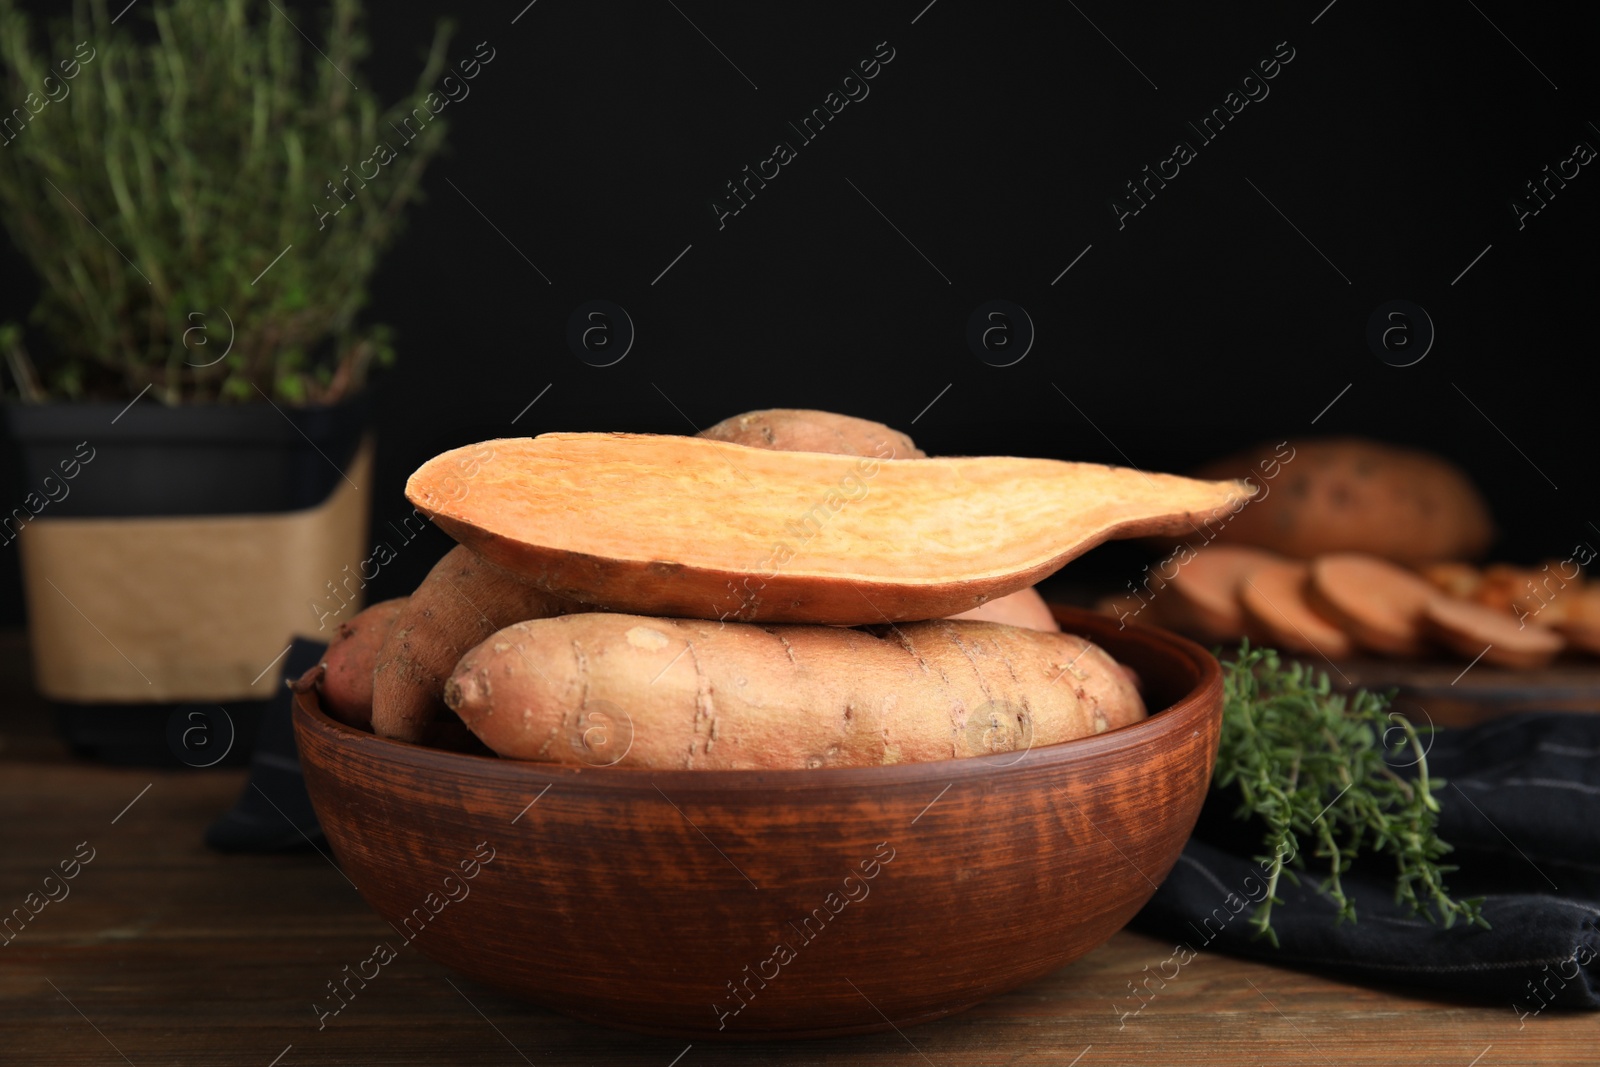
x=1195 y=711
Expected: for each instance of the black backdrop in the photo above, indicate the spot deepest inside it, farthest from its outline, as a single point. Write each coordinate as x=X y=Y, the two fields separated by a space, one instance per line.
x=1233 y=308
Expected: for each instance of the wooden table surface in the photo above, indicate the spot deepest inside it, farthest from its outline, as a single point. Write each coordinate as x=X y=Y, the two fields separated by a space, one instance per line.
x=167 y=953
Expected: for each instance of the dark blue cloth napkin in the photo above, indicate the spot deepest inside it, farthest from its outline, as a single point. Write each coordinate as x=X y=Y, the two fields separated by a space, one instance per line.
x=1521 y=805
x=273 y=813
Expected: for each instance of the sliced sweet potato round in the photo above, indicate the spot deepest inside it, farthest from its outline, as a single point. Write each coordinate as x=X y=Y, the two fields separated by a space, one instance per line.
x=1202 y=598
x=1378 y=603
x=1580 y=622
x=1272 y=596
x=1472 y=630
x=1457 y=579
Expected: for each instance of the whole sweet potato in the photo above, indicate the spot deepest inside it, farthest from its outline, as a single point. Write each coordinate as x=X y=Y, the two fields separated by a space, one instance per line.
x=1354 y=495
x=800 y=430
x=344 y=682
x=637 y=691
x=464 y=599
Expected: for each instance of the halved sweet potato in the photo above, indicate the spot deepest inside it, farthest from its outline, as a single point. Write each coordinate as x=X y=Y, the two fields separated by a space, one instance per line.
x=802 y=430
x=685 y=526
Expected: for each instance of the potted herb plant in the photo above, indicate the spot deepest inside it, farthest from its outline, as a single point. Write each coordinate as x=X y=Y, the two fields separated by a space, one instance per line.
x=204 y=198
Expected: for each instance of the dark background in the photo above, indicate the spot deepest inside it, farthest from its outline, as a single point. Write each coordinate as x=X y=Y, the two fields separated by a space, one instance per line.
x=1395 y=141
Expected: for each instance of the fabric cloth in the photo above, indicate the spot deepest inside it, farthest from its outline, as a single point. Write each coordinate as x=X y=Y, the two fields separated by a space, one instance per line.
x=1520 y=805
x=273 y=813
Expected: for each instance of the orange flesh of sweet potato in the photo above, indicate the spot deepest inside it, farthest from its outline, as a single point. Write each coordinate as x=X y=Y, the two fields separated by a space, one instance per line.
x=1378 y=603
x=1457 y=579
x=666 y=525
x=800 y=430
x=462 y=600
x=1470 y=629
x=633 y=691
x=1203 y=596
x=1273 y=596
x=1580 y=623
x=345 y=682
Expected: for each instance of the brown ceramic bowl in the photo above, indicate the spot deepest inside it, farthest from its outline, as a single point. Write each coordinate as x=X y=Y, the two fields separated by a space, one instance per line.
x=765 y=904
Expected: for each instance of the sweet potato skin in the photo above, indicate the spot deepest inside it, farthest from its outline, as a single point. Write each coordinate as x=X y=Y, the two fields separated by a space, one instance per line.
x=1349 y=494
x=1025 y=608
x=801 y=430
x=345 y=682
x=638 y=691
x=464 y=599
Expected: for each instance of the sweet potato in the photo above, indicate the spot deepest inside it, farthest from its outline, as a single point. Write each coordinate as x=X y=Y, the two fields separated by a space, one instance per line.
x=1379 y=604
x=464 y=599
x=635 y=691
x=1580 y=621
x=1202 y=596
x=1526 y=592
x=1355 y=495
x=344 y=685
x=690 y=527
x=1277 y=611
x=1456 y=579
x=1024 y=608
x=800 y=430
x=1472 y=630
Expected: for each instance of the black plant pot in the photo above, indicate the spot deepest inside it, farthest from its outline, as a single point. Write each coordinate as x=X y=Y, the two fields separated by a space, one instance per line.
x=149 y=462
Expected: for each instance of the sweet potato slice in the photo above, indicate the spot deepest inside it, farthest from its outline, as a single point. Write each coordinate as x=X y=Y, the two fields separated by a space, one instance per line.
x=1472 y=630
x=1457 y=579
x=1202 y=597
x=665 y=525
x=1273 y=598
x=1378 y=603
x=634 y=691
x=1579 y=622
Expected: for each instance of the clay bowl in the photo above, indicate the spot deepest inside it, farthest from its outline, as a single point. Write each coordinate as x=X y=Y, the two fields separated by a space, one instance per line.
x=774 y=904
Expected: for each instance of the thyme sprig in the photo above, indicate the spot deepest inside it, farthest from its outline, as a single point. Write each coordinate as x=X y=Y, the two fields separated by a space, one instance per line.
x=1318 y=767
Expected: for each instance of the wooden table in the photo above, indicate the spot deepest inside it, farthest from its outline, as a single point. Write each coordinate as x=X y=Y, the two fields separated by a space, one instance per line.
x=166 y=953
